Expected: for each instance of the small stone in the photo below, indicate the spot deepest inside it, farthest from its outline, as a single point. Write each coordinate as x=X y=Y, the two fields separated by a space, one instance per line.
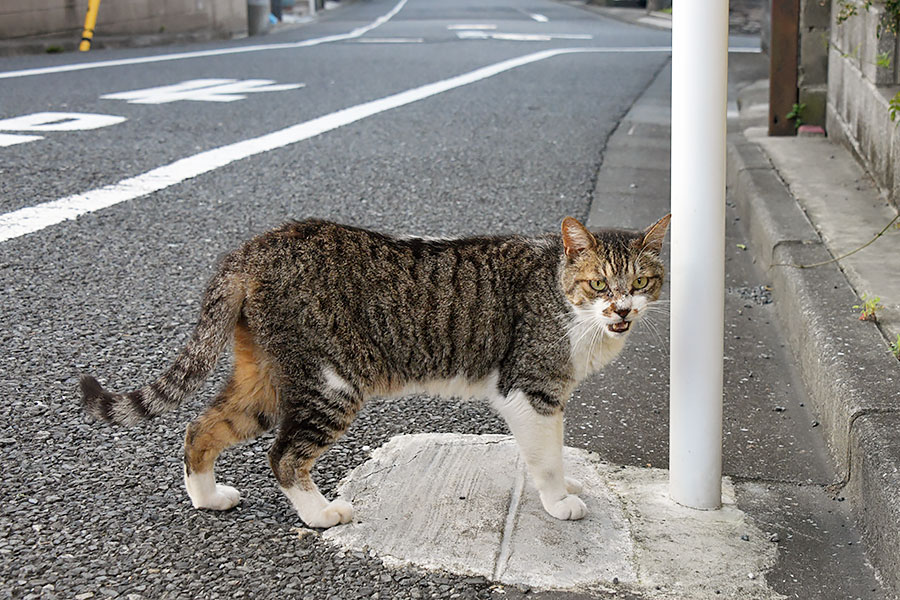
x=815 y=423
x=615 y=581
x=84 y=596
x=774 y=538
x=745 y=537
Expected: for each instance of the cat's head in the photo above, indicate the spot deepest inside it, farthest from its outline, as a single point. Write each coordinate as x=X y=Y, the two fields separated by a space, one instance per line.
x=610 y=276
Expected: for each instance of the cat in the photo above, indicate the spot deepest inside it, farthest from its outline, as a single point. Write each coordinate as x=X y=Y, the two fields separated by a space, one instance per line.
x=323 y=316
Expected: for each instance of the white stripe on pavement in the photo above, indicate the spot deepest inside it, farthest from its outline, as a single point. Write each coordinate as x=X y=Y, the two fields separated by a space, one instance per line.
x=358 y=32
x=34 y=218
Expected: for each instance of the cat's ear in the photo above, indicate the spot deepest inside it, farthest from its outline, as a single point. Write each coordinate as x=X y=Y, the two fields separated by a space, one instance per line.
x=576 y=237
x=655 y=234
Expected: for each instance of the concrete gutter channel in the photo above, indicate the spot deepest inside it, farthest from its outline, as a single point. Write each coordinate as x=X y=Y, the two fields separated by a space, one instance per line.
x=851 y=377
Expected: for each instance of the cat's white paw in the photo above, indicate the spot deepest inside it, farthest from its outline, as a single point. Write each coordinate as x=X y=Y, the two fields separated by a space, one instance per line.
x=337 y=511
x=206 y=493
x=573 y=486
x=223 y=498
x=570 y=508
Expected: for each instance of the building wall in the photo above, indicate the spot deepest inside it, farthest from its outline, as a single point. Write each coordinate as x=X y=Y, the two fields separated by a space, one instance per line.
x=859 y=92
x=21 y=18
x=812 y=67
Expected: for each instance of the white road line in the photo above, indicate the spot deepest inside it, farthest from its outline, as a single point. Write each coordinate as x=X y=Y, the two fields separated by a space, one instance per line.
x=473 y=26
x=8 y=139
x=538 y=17
x=521 y=37
x=34 y=218
x=358 y=32
x=397 y=40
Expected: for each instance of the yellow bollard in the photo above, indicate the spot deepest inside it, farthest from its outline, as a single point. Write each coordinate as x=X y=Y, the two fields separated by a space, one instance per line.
x=90 y=20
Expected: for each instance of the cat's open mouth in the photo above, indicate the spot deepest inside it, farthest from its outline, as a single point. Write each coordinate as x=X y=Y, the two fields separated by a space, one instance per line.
x=620 y=327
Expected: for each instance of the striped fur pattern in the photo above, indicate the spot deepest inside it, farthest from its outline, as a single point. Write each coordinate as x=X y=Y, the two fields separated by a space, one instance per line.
x=323 y=316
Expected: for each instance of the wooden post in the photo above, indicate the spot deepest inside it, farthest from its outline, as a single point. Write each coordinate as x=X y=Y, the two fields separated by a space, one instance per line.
x=783 y=58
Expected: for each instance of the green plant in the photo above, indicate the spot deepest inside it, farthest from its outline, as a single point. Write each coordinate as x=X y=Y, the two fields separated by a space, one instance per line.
x=868 y=308
x=796 y=114
x=894 y=106
x=895 y=348
x=53 y=49
x=883 y=60
x=890 y=20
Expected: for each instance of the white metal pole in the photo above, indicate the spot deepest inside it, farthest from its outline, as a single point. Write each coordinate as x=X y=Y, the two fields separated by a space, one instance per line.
x=699 y=98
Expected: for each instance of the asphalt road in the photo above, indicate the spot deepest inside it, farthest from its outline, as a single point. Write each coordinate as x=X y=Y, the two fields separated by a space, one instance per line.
x=91 y=509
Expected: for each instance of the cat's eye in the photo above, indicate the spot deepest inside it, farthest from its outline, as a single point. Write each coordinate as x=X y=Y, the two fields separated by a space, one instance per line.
x=640 y=283
x=598 y=285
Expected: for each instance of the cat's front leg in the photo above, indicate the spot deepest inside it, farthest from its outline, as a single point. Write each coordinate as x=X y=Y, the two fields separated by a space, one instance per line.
x=540 y=440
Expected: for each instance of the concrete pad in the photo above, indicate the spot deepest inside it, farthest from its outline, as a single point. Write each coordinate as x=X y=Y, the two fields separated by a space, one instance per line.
x=463 y=503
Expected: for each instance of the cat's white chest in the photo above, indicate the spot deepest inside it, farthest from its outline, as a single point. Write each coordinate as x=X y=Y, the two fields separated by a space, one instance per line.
x=591 y=349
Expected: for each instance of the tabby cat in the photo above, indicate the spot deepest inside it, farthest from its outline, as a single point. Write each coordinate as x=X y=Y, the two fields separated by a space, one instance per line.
x=324 y=316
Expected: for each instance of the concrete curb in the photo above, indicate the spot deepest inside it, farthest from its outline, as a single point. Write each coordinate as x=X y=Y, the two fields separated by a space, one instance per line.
x=849 y=377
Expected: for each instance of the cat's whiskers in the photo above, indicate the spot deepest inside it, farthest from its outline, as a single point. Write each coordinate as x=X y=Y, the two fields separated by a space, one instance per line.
x=654 y=308
x=598 y=335
x=588 y=325
x=653 y=327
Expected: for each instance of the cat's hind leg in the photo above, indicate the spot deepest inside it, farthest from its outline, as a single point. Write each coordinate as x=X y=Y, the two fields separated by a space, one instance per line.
x=540 y=440
x=314 y=418
x=246 y=407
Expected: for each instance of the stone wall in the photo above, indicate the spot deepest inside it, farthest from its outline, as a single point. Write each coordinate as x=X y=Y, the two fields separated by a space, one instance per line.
x=812 y=66
x=859 y=92
x=22 y=18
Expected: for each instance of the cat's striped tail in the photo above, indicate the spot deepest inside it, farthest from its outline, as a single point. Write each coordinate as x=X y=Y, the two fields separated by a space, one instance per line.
x=219 y=314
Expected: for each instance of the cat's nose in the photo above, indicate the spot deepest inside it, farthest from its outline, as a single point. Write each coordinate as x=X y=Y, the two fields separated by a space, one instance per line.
x=623 y=312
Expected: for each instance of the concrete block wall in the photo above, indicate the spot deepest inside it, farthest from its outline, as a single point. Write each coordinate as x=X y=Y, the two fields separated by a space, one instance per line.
x=812 y=68
x=859 y=92
x=23 y=18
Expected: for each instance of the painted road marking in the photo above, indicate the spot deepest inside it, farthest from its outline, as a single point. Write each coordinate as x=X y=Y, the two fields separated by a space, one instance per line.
x=34 y=218
x=51 y=121
x=202 y=90
x=538 y=17
x=397 y=40
x=482 y=26
x=521 y=37
x=58 y=121
x=358 y=32
x=8 y=139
